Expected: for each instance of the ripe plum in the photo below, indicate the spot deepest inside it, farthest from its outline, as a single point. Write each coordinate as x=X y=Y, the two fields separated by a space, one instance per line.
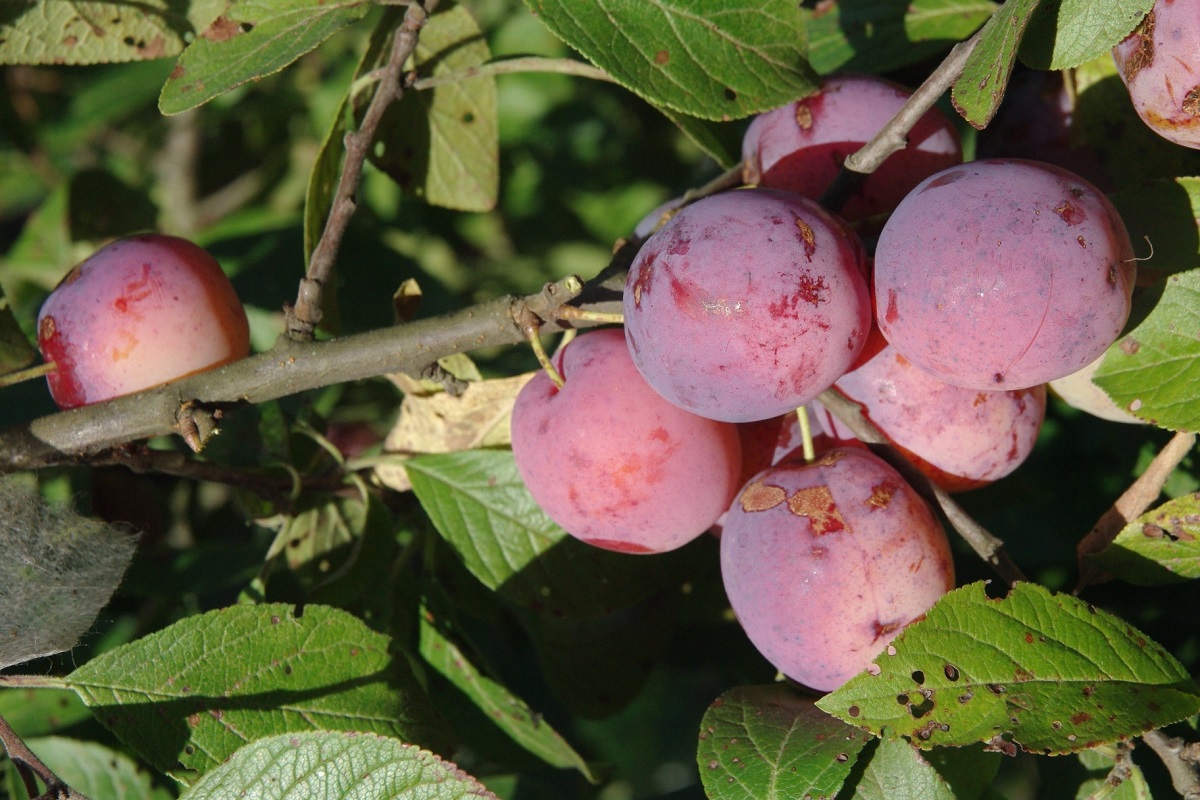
x=139 y=312
x=800 y=147
x=825 y=562
x=1160 y=64
x=1003 y=274
x=614 y=463
x=747 y=304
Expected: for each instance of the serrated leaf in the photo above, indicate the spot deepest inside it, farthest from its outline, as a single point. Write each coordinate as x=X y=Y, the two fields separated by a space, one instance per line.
x=443 y=143
x=1055 y=673
x=772 y=743
x=897 y=771
x=54 y=32
x=1154 y=369
x=879 y=36
x=480 y=506
x=705 y=58
x=194 y=692
x=1066 y=33
x=978 y=91
x=335 y=766
x=94 y=770
x=252 y=39
x=1162 y=219
x=509 y=712
x=58 y=570
x=1159 y=547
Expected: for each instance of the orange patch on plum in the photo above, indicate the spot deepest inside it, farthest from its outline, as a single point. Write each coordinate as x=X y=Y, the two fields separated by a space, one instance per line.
x=817 y=504
x=759 y=496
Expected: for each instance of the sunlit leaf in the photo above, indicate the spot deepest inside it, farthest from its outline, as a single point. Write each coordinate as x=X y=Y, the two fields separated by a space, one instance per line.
x=1159 y=547
x=978 y=91
x=1065 y=33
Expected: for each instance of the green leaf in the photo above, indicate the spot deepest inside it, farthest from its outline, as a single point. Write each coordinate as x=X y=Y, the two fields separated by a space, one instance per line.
x=970 y=771
x=478 y=503
x=720 y=144
x=194 y=692
x=15 y=350
x=978 y=91
x=1163 y=213
x=335 y=766
x=1155 y=366
x=1057 y=674
x=1066 y=33
x=41 y=712
x=771 y=743
x=252 y=39
x=1099 y=763
x=880 y=36
x=524 y=725
x=101 y=206
x=54 y=32
x=94 y=770
x=705 y=58
x=1159 y=547
x=59 y=569
x=897 y=771
x=443 y=143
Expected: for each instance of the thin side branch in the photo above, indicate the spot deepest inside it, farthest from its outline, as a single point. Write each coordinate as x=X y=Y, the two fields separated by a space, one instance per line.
x=29 y=765
x=304 y=316
x=510 y=66
x=1179 y=760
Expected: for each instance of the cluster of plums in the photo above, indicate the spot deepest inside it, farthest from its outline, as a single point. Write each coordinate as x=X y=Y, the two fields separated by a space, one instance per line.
x=989 y=280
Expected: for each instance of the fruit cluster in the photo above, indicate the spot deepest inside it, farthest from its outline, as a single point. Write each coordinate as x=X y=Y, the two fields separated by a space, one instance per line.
x=988 y=280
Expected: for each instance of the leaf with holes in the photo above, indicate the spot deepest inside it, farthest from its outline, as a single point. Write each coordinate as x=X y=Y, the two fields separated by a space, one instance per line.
x=707 y=58
x=1052 y=671
x=252 y=39
x=978 y=91
x=335 y=766
x=1159 y=547
x=193 y=693
x=1065 y=33
x=1154 y=368
x=770 y=743
x=479 y=505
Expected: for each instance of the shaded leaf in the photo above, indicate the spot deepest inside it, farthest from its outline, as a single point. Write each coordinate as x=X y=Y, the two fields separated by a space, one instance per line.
x=252 y=39
x=15 y=350
x=41 y=712
x=194 y=692
x=335 y=766
x=480 y=506
x=879 y=36
x=1057 y=674
x=771 y=743
x=1066 y=33
x=719 y=144
x=509 y=712
x=898 y=771
x=978 y=91
x=443 y=143
x=59 y=569
x=1162 y=217
x=1159 y=547
x=1099 y=763
x=101 y=206
x=705 y=58
x=95 y=32
x=94 y=770
x=1154 y=367
x=970 y=771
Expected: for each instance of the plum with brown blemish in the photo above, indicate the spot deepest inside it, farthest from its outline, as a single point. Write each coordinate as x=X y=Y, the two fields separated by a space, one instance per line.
x=747 y=304
x=1160 y=65
x=612 y=462
x=1003 y=274
x=960 y=438
x=137 y=313
x=800 y=147
x=824 y=563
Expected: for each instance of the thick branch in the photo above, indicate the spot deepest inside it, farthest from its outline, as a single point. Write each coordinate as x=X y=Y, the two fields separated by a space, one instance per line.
x=305 y=315
x=290 y=367
x=1185 y=773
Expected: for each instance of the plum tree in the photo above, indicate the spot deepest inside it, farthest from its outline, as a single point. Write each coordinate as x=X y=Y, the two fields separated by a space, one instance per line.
x=825 y=562
x=961 y=438
x=800 y=147
x=139 y=312
x=1160 y=64
x=747 y=304
x=614 y=463
x=1003 y=274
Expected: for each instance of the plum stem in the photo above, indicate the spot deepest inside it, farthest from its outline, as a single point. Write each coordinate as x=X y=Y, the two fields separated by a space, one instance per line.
x=806 y=439
x=28 y=374
x=573 y=314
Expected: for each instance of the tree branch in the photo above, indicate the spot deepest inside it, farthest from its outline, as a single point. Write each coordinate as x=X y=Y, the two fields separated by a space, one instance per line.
x=1179 y=761
x=28 y=765
x=304 y=316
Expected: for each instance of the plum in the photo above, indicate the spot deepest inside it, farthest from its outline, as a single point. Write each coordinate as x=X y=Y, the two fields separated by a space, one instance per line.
x=800 y=147
x=1003 y=274
x=1160 y=64
x=612 y=462
x=139 y=312
x=961 y=438
x=747 y=304
x=824 y=563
